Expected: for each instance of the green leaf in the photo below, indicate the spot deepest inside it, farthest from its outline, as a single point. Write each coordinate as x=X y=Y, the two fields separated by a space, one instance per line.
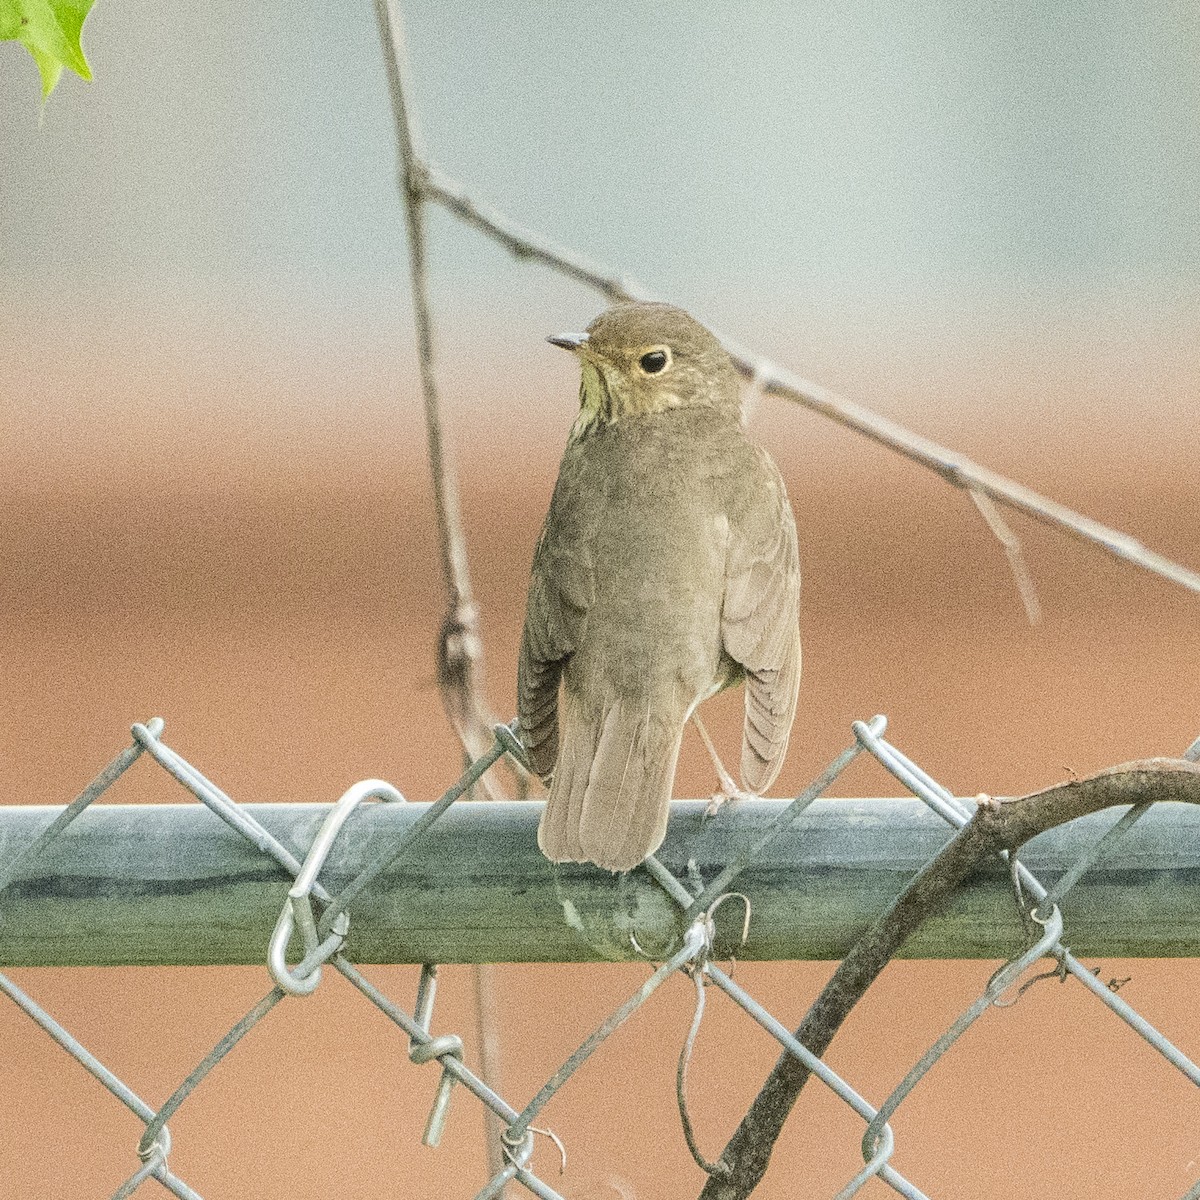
x=10 y=20
x=50 y=31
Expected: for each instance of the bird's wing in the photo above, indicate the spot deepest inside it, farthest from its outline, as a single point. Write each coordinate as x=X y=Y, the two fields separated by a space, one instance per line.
x=759 y=618
x=562 y=587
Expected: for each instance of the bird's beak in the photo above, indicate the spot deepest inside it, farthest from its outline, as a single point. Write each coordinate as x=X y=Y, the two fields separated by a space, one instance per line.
x=568 y=341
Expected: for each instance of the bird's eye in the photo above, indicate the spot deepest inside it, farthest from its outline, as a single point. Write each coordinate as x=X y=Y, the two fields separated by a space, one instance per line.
x=654 y=361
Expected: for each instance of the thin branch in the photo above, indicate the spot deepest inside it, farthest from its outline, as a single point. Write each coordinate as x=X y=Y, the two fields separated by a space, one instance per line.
x=955 y=468
x=460 y=647
x=996 y=826
x=1012 y=550
x=523 y=243
x=451 y=541
x=960 y=471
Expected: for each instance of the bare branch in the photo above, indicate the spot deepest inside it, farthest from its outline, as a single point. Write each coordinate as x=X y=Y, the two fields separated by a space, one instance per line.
x=962 y=472
x=445 y=485
x=1012 y=549
x=999 y=825
x=488 y=1033
x=460 y=663
x=524 y=243
x=993 y=828
x=460 y=647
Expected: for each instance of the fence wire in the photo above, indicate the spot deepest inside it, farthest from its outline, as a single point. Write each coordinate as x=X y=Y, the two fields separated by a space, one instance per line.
x=322 y=921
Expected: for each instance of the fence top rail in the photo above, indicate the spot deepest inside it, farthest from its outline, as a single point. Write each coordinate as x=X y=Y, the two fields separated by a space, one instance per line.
x=173 y=885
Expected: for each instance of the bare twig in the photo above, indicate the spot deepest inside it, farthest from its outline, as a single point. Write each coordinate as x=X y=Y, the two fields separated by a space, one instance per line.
x=445 y=486
x=1000 y=825
x=955 y=468
x=524 y=243
x=960 y=471
x=1014 y=553
x=460 y=657
x=460 y=647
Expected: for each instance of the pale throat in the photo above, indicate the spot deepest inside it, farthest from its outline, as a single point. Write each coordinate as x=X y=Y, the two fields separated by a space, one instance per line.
x=604 y=398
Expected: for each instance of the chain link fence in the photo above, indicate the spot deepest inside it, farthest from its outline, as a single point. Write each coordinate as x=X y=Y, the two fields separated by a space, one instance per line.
x=320 y=921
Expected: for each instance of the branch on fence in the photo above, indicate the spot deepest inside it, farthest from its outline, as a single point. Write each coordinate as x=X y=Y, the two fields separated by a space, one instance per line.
x=997 y=825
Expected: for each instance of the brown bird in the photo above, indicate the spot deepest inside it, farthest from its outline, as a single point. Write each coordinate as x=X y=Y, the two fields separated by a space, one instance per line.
x=666 y=570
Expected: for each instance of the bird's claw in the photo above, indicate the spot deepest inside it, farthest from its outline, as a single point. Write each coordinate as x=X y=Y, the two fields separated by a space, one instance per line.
x=723 y=797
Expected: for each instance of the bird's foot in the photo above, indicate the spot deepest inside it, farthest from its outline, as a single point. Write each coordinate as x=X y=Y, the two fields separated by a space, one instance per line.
x=729 y=792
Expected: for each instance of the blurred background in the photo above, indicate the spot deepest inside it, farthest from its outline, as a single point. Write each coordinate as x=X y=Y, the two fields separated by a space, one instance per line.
x=978 y=220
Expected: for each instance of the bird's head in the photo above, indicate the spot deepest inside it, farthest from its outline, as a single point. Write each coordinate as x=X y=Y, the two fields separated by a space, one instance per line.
x=644 y=358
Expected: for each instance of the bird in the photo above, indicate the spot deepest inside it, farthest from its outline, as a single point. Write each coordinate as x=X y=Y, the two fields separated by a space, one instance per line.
x=667 y=569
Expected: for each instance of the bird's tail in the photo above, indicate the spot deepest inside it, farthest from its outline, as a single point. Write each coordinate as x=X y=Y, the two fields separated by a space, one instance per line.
x=611 y=792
